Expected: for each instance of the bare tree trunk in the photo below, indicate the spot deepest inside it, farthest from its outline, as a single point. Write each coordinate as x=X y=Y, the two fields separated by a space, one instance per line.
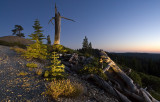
x=57 y=28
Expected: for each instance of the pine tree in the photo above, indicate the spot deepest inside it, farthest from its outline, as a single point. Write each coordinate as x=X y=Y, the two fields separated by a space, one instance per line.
x=57 y=69
x=85 y=43
x=38 y=32
x=90 y=45
x=17 y=31
x=36 y=50
x=48 y=40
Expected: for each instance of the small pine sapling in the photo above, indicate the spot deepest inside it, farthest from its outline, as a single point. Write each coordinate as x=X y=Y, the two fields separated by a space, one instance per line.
x=56 y=68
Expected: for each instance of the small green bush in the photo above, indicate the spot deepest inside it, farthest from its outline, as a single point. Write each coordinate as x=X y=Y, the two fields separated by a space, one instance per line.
x=135 y=77
x=90 y=69
x=31 y=65
x=62 y=49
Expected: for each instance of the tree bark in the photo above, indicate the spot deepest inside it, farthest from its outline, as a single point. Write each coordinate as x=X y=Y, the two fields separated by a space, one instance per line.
x=57 y=28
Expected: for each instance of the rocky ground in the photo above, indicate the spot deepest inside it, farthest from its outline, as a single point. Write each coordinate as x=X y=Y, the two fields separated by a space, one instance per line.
x=29 y=88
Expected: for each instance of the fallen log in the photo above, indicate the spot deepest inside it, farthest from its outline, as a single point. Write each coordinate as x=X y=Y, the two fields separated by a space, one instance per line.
x=122 y=97
x=127 y=81
x=107 y=68
x=148 y=95
x=108 y=88
x=146 y=98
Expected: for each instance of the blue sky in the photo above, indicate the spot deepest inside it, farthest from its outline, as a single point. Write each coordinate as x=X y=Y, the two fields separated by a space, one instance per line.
x=112 y=25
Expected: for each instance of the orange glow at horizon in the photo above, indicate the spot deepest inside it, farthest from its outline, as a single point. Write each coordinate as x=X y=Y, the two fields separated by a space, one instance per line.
x=142 y=49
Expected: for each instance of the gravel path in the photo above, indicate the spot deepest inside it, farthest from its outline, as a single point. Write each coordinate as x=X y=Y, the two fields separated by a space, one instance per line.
x=15 y=87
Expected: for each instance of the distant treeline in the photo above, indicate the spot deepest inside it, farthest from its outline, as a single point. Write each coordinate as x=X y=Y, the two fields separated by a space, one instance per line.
x=141 y=62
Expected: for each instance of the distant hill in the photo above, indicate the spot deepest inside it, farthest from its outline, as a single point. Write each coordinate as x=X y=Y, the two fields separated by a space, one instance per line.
x=153 y=56
x=16 y=39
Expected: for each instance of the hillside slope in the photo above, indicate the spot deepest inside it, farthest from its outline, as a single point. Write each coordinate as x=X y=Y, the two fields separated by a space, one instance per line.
x=16 y=87
x=13 y=39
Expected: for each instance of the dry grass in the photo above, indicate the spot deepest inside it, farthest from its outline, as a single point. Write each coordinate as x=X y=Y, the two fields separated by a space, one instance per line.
x=22 y=73
x=18 y=50
x=31 y=65
x=39 y=71
x=64 y=88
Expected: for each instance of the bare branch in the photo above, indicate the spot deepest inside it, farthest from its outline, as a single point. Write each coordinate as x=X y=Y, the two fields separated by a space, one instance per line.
x=67 y=18
x=50 y=21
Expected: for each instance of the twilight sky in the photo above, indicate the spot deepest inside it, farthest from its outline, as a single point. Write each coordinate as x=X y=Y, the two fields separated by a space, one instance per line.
x=112 y=25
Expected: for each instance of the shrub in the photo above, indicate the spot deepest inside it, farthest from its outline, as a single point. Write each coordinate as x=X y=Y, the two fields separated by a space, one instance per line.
x=64 y=88
x=31 y=65
x=90 y=69
x=56 y=68
x=46 y=74
x=62 y=49
x=135 y=77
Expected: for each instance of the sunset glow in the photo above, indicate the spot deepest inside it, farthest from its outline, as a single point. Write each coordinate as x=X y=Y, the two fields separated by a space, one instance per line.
x=112 y=25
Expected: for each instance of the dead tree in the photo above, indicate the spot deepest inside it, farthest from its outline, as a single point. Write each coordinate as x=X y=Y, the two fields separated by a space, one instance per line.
x=57 y=20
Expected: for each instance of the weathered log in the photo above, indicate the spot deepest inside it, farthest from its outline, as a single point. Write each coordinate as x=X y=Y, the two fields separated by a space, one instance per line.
x=127 y=93
x=134 y=96
x=128 y=81
x=100 y=82
x=122 y=97
x=108 y=88
x=146 y=98
x=149 y=95
x=107 y=68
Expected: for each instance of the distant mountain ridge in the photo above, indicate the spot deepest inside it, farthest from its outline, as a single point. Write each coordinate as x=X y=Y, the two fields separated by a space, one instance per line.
x=153 y=56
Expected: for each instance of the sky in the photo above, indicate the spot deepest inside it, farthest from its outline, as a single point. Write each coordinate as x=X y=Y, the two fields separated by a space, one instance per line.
x=111 y=25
